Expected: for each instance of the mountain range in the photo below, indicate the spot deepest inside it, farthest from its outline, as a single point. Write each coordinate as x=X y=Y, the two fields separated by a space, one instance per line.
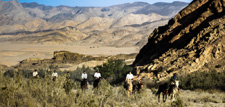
x=120 y=25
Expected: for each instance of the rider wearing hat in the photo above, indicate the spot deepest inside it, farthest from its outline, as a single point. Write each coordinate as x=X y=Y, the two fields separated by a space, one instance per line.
x=173 y=78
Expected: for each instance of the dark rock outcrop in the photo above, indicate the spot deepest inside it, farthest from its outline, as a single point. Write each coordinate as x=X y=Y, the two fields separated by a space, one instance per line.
x=193 y=40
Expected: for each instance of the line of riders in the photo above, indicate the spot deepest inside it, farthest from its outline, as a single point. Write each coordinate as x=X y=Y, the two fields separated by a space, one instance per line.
x=129 y=83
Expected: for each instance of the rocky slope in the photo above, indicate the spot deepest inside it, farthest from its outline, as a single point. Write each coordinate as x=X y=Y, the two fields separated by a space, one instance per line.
x=120 y=25
x=66 y=60
x=194 y=40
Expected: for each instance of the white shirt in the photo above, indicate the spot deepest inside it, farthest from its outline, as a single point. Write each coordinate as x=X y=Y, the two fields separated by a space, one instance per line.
x=84 y=76
x=35 y=74
x=55 y=74
x=97 y=75
x=129 y=76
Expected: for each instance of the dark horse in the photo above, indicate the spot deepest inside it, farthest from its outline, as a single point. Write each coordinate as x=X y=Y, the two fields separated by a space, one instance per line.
x=164 y=90
x=95 y=85
x=84 y=84
x=137 y=86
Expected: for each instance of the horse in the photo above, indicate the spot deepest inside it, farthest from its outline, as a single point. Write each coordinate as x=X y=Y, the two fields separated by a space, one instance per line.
x=164 y=90
x=84 y=84
x=95 y=85
x=137 y=86
x=129 y=87
x=174 y=90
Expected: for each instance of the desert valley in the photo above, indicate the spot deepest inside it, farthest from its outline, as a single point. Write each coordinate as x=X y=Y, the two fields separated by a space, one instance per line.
x=186 y=39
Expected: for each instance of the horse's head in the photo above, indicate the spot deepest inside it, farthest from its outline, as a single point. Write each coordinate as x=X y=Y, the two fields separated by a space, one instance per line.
x=176 y=83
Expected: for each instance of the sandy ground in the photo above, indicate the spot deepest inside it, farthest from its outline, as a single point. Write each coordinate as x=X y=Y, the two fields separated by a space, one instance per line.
x=12 y=53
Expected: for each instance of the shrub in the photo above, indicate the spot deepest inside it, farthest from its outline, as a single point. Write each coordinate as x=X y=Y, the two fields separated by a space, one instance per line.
x=178 y=103
x=203 y=80
x=114 y=70
x=76 y=74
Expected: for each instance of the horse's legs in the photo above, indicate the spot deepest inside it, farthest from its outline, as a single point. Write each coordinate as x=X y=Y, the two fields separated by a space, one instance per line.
x=164 y=97
x=172 y=97
x=159 y=97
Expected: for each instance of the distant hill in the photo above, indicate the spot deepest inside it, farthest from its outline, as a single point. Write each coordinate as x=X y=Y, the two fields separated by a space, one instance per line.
x=119 y=25
x=192 y=41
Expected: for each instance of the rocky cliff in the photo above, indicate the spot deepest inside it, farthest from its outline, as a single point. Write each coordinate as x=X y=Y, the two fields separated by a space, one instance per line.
x=194 y=40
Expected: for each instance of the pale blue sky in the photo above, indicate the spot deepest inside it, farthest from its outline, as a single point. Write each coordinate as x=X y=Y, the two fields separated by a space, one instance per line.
x=98 y=3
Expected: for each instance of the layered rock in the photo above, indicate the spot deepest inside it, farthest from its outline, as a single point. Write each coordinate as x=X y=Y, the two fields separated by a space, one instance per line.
x=192 y=41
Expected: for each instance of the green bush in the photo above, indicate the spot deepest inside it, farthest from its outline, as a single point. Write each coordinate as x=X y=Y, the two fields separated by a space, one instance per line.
x=76 y=74
x=203 y=80
x=114 y=70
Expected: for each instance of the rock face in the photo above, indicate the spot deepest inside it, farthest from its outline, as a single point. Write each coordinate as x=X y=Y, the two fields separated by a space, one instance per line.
x=194 y=40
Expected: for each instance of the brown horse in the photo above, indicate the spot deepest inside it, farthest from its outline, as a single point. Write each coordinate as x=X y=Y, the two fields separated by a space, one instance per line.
x=129 y=87
x=84 y=84
x=137 y=86
x=164 y=90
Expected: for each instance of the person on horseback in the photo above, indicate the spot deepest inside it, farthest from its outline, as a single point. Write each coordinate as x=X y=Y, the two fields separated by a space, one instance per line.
x=138 y=79
x=139 y=83
x=68 y=76
x=128 y=83
x=35 y=74
x=84 y=75
x=129 y=76
x=173 y=79
x=84 y=80
x=54 y=75
x=97 y=74
x=97 y=77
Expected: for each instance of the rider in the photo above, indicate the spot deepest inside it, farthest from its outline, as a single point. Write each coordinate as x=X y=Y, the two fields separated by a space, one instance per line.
x=97 y=74
x=140 y=84
x=173 y=80
x=54 y=75
x=97 y=77
x=84 y=75
x=129 y=76
x=68 y=76
x=35 y=74
x=84 y=78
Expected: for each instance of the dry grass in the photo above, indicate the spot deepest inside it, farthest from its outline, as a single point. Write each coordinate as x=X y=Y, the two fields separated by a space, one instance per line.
x=29 y=92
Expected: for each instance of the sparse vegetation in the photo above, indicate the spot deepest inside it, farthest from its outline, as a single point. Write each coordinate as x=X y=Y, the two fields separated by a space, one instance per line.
x=20 y=91
x=204 y=80
x=18 y=88
x=178 y=103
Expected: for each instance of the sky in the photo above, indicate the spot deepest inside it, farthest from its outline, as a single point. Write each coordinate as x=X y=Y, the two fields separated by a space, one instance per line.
x=93 y=3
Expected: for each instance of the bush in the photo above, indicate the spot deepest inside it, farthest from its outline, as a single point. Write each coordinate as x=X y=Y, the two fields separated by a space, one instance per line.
x=178 y=103
x=204 y=80
x=114 y=71
x=76 y=75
